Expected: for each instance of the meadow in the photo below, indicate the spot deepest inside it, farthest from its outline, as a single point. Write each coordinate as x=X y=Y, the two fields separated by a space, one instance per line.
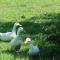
x=40 y=19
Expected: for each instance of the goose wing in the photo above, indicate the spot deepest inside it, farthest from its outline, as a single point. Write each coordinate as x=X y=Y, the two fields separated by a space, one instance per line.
x=6 y=36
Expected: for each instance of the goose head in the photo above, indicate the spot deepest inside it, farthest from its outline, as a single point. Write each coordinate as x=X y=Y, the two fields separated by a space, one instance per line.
x=33 y=49
x=28 y=40
x=17 y=25
x=20 y=29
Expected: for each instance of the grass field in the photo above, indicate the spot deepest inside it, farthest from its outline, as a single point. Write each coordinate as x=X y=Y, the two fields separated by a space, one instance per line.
x=40 y=17
x=15 y=9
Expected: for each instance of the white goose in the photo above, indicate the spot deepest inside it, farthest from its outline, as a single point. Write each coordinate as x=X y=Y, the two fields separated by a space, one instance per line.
x=16 y=42
x=9 y=35
x=33 y=49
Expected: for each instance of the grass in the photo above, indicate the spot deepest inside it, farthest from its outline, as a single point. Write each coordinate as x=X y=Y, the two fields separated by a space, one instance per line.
x=40 y=18
x=15 y=9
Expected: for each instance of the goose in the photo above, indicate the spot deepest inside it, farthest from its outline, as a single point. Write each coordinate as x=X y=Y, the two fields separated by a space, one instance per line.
x=16 y=42
x=33 y=50
x=7 y=36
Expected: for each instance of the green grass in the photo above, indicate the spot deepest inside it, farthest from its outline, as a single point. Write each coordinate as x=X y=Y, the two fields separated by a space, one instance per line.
x=15 y=9
x=40 y=19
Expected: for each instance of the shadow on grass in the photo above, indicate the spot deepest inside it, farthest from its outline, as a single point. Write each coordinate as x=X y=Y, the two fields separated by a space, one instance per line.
x=36 y=28
x=51 y=29
x=6 y=26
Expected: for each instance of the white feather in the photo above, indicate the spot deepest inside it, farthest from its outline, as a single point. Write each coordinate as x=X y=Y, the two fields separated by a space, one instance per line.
x=32 y=49
x=16 y=41
x=9 y=35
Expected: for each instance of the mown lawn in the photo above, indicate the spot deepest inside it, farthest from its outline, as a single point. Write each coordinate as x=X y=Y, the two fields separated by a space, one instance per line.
x=40 y=19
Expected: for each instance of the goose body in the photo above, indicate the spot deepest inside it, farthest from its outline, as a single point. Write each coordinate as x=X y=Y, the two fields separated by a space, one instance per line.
x=16 y=42
x=7 y=36
x=33 y=49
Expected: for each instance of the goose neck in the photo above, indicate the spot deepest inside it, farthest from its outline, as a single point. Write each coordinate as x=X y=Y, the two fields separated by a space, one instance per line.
x=18 y=33
x=14 y=29
x=18 y=36
x=30 y=45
